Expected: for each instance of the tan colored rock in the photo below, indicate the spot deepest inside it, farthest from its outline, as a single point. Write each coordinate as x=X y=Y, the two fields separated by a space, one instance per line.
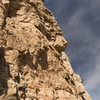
x=60 y=43
x=33 y=65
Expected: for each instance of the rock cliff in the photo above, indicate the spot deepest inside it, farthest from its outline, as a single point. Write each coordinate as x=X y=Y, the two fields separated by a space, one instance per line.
x=33 y=65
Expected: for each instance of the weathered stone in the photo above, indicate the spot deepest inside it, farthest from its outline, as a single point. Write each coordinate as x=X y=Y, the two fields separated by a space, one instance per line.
x=33 y=65
x=60 y=43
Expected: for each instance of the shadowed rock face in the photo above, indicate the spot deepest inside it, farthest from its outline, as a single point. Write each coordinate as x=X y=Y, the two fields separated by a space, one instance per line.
x=33 y=65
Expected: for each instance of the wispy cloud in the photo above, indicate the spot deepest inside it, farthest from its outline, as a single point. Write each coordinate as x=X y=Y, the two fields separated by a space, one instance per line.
x=93 y=80
x=80 y=22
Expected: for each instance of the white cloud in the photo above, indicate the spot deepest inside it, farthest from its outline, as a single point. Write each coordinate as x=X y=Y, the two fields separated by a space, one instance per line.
x=82 y=38
x=78 y=30
x=93 y=79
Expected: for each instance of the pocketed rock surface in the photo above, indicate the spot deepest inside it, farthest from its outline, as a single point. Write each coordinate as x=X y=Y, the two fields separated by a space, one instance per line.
x=33 y=65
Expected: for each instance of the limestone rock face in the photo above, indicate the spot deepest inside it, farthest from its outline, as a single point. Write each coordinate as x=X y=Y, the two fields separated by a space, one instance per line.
x=33 y=65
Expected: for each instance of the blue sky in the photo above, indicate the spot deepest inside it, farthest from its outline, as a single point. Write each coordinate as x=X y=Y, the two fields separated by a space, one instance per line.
x=80 y=22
